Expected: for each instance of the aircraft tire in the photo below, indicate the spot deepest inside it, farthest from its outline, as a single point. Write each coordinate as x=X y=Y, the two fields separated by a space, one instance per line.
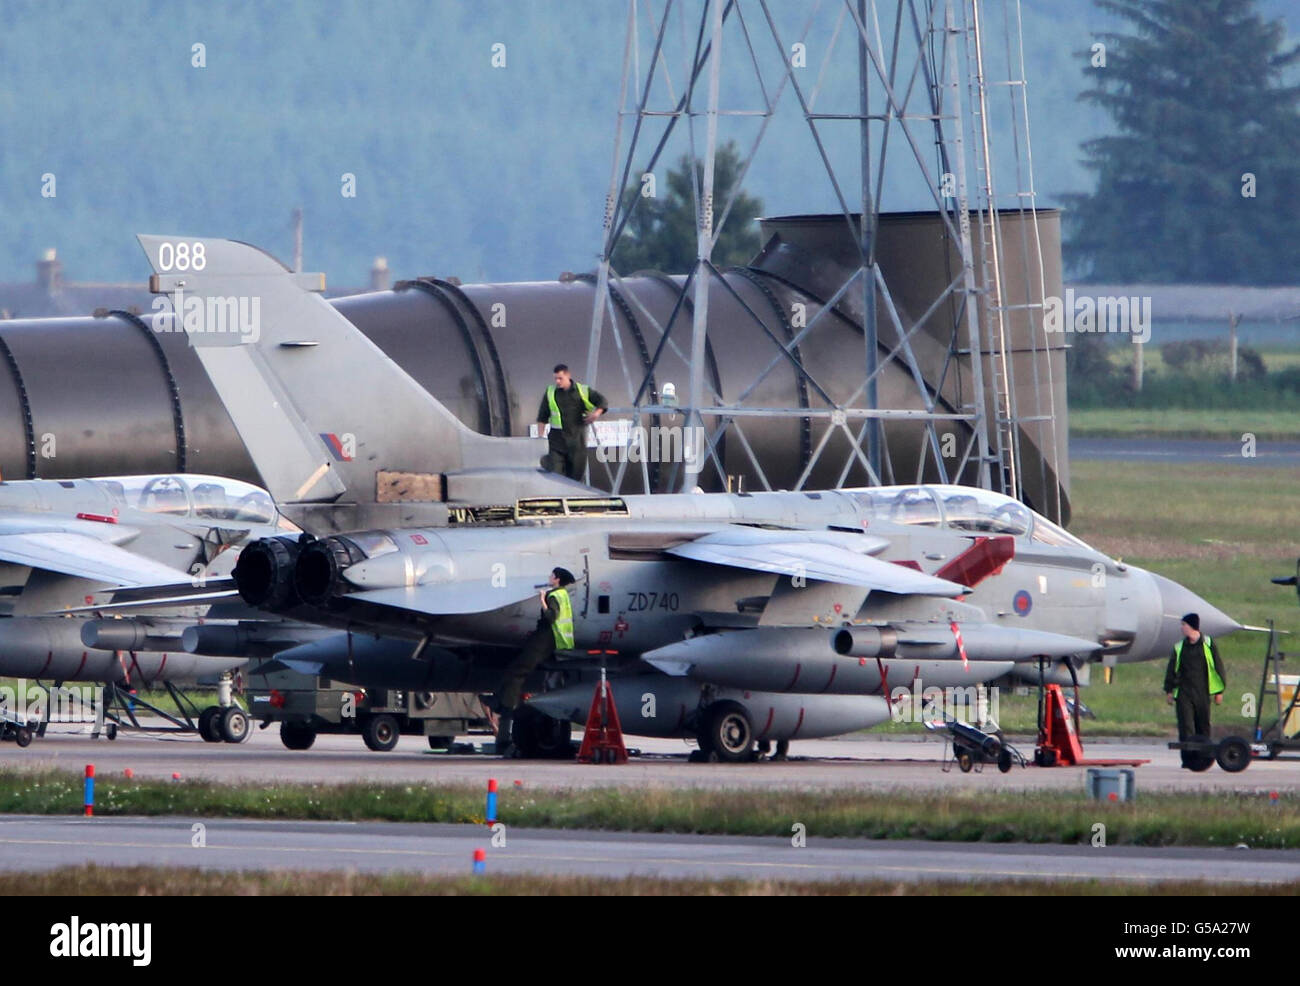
x=541 y=737
x=209 y=728
x=234 y=724
x=728 y=733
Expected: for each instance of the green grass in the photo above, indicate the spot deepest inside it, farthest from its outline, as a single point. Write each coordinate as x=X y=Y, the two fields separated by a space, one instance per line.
x=1160 y=819
x=1226 y=424
x=136 y=881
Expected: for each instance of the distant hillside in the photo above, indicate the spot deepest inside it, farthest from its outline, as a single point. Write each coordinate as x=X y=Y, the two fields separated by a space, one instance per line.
x=460 y=168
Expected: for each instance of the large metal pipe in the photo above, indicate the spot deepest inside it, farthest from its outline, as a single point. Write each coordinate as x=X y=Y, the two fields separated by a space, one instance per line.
x=102 y=395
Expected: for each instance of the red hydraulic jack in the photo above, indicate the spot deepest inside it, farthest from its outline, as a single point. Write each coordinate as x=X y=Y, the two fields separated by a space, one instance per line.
x=1058 y=739
x=602 y=740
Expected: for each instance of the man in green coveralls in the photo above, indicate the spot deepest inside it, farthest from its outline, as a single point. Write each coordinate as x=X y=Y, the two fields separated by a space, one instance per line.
x=568 y=407
x=1194 y=676
x=554 y=632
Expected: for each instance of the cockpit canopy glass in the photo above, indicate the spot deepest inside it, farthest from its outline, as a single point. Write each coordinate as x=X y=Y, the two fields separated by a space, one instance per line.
x=202 y=497
x=960 y=508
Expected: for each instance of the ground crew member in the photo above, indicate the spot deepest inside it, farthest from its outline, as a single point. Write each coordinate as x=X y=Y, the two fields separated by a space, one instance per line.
x=554 y=632
x=568 y=407
x=1195 y=673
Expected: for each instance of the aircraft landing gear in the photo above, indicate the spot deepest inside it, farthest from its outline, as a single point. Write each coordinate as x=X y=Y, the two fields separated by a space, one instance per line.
x=233 y=724
x=728 y=735
x=209 y=729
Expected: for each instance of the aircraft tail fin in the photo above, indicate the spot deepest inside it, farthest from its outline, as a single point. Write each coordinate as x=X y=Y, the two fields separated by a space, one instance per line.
x=327 y=417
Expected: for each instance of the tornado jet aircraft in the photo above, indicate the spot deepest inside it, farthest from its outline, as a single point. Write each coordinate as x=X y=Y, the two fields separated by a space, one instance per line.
x=734 y=618
x=85 y=565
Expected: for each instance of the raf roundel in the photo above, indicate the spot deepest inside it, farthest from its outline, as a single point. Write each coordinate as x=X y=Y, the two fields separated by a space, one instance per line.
x=1023 y=602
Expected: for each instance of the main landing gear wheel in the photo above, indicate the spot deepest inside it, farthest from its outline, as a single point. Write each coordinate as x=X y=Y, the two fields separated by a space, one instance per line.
x=297 y=735
x=380 y=733
x=541 y=737
x=1233 y=754
x=728 y=733
x=233 y=724
x=965 y=761
x=209 y=728
x=23 y=736
x=1004 y=761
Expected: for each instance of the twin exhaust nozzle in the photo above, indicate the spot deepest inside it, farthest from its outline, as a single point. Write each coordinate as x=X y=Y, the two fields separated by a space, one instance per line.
x=279 y=573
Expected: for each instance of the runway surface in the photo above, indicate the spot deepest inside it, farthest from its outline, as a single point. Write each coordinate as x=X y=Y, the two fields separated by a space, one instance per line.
x=863 y=761
x=1222 y=451
x=40 y=842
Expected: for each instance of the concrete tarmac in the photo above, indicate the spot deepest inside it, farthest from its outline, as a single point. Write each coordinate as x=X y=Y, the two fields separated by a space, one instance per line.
x=1268 y=453
x=859 y=761
x=30 y=843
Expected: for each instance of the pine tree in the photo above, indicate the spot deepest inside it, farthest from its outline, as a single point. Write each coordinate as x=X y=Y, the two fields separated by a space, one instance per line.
x=1199 y=95
x=660 y=234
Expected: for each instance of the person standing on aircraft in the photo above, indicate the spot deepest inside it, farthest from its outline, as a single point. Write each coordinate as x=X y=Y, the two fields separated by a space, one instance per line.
x=568 y=407
x=554 y=632
x=1195 y=674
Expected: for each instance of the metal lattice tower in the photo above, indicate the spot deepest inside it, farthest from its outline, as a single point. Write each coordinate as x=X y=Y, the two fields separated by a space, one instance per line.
x=920 y=120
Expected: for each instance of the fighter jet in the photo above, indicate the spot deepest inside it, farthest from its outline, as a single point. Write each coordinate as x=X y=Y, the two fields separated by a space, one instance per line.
x=734 y=618
x=87 y=565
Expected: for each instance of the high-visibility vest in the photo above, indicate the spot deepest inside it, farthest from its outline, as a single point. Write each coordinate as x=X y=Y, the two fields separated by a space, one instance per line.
x=563 y=625
x=1216 y=683
x=556 y=420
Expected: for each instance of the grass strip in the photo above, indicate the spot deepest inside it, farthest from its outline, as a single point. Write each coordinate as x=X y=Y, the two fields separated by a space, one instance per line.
x=1220 y=818
x=136 y=881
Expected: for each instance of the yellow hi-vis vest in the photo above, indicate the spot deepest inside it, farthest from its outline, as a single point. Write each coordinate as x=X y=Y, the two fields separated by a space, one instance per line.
x=1216 y=683
x=563 y=625
x=556 y=420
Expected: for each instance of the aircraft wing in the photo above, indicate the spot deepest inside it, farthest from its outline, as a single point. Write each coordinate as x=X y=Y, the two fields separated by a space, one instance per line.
x=452 y=598
x=792 y=553
x=86 y=558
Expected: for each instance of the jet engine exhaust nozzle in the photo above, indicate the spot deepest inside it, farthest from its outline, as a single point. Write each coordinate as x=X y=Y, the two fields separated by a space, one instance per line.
x=264 y=573
x=318 y=575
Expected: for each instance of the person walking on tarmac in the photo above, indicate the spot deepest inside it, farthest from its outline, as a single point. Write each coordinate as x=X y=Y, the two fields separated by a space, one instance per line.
x=568 y=407
x=1195 y=674
x=554 y=632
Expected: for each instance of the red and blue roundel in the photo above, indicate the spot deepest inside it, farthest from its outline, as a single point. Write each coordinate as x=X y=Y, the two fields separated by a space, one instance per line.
x=1022 y=602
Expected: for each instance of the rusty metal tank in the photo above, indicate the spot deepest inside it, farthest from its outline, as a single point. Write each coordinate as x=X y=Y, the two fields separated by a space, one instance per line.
x=101 y=395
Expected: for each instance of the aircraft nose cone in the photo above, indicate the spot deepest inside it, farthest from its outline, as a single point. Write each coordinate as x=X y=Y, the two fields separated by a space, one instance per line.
x=1177 y=600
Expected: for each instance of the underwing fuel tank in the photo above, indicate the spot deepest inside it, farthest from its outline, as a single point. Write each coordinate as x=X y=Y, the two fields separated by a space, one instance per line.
x=393 y=662
x=52 y=648
x=856 y=661
x=655 y=705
